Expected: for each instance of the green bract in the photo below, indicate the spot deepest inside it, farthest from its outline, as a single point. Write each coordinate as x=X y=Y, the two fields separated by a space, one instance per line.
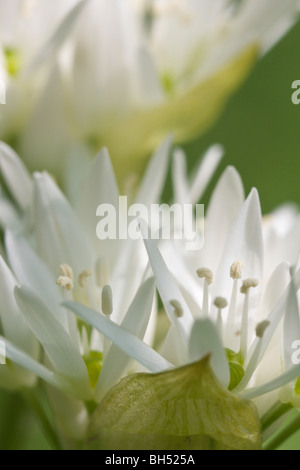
x=185 y=408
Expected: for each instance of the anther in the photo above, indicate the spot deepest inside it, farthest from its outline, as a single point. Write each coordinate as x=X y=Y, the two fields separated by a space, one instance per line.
x=261 y=328
x=236 y=270
x=66 y=271
x=107 y=300
x=65 y=282
x=177 y=308
x=83 y=277
x=247 y=284
x=220 y=303
x=206 y=274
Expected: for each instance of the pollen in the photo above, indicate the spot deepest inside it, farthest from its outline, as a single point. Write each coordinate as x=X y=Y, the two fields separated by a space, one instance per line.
x=220 y=302
x=177 y=308
x=83 y=277
x=236 y=270
x=206 y=274
x=66 y=271
x=247 y=284
x=65 y=282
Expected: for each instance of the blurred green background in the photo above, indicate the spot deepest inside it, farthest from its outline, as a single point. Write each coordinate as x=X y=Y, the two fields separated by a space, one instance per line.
x=260 y=130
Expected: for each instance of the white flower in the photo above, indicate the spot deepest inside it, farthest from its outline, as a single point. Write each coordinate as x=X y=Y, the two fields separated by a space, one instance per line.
x=247 y=297
x=136 y=69
x=53 y=256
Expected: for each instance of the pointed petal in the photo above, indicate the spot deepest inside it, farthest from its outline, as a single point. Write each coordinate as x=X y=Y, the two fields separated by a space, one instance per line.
x=205 y=340
x=179 y=177
x=126 y=341
x=13 y=323
x=279 y=382
x=16 y=176
x=155 y=176
x=19 y=357
x=206 y=170
x=100 y=187
x=32 y=272
x=54 y=339
x=245 y=244
x=51 y=48
x=168 y=289
x=116 y=363
x=9 y=216
x=291 y=326
x=60 y=238
x=225 y=205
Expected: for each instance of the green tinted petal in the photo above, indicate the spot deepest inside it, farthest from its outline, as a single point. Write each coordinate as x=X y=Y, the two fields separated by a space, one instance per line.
x=186 y=116
x=182 y=409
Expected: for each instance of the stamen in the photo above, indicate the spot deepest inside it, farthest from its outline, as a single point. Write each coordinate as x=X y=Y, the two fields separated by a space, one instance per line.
x=83 y=277
x=177 y=308
x=65 y=282
x=207 y=275
x=101 y=272
x=236 y=270
x=220 y=303
x=261 y=328
x=235 y=274
x=66 y=271
x=247 y=284
x=107 y=300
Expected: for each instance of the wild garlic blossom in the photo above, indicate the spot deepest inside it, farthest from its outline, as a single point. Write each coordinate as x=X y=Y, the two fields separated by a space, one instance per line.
x=238 y=297
x=136 y=69
x=52 y=256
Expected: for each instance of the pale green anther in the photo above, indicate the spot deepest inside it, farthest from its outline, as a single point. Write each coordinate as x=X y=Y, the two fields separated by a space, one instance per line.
x=297 y=386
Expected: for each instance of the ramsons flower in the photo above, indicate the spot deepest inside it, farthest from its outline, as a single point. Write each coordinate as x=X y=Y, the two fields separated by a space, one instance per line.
x=52 y=255
x=135 y=69
x=238 y=297
x=236 y=302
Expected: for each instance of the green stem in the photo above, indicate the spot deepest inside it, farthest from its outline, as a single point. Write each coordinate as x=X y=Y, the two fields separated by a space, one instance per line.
x=32 y=398
x=274 y=413
x=283 y=435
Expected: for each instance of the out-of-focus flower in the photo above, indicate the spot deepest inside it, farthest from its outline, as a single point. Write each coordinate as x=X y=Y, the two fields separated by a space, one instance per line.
x=53 y=255
x=126 y=73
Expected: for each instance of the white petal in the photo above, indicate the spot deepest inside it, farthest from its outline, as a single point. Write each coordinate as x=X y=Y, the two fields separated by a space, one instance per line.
x=14 y=325
x=224 y=207
x=16 y=176
x=206 y=170
x=291 y=326
x=205 y=340
x=116 y=363
x=22 y=359
x=100 y=187
x=54 y=339
x=179 y=177
x=245 y=244
x=155 y=176
x=52 y=46
x=32 y=272
x=9 y=216
x=168 y=289
x=60 y=238
x=126 y=341
x=283 y=379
